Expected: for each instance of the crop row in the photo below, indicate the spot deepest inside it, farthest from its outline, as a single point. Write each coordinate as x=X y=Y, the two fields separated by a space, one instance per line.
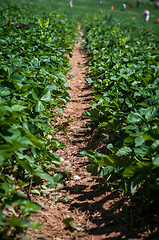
x=33 y=50
x=124 y=73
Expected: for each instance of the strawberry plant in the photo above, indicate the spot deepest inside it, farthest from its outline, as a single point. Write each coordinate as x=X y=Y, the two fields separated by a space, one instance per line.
x=33 y=85
x=124 y=75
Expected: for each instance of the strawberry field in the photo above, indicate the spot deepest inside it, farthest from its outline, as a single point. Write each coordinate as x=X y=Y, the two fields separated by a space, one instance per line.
x=36 y=44
x=33 y=85
x=124 y=73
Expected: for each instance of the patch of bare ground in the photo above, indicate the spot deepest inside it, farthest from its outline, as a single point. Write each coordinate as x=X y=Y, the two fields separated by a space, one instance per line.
x=101 y=213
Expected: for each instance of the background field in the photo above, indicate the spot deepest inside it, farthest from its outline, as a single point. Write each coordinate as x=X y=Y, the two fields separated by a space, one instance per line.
x=83 y=8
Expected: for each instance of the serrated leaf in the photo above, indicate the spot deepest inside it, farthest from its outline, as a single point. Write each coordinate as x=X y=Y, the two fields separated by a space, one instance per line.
x=46 y=97
x=151 y=112
x=135 y=118
x=125 y=151
x=34 y=95
x=5 y=92
x=40 y=106
x=139 y=141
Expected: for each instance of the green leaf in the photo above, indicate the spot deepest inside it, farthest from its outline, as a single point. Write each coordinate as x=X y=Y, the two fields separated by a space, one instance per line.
x=155 y=145
x=36 y=225
x=125 y=151
x=1 y=160
x=5 y=92
x=10 y=70
x=139 y=141
x=35 y=191
x=18 y=222
x=133 y=188
x=70 y=224
x=92 y=168
x=5 y=186
x=40 y=23
x=30 y=207
x=155 y=161
x=46 y=97
x=45 y=176
x=17 y=108
x=57 y=177
x=141 y=150
x=89 y=154
x=89 y=80
x=34 y=95
x=35 y=140
x=151 y=112
x=127 y=100
x=40 y=106
x=33 y=206
x=107 y=170
x=7 y=149
x=135 y=118
x=5 y=109
x=25 y=165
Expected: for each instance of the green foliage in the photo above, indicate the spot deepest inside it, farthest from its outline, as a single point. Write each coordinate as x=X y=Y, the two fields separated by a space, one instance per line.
x=34 y=45
x=33 y=85
x=124 y=73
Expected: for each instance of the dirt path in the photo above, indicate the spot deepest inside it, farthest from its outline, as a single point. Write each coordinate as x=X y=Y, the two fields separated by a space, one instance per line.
x=76 y=140
x=92 y=208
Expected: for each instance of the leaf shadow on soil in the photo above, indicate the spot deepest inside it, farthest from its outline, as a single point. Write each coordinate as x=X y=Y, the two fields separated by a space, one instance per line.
x=110 y=212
